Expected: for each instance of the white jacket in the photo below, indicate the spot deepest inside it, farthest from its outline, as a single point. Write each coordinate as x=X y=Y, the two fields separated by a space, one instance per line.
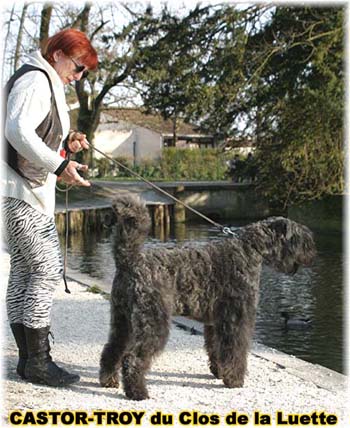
x=28 y=104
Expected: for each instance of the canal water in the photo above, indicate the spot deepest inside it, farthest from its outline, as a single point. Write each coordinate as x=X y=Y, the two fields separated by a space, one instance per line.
x=315 y=293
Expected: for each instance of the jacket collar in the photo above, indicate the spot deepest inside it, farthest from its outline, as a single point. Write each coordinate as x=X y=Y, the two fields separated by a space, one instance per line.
x=39 y=61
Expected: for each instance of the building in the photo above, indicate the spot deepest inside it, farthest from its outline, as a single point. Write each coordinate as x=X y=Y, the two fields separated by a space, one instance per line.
x=240 y=146
x=134 y=134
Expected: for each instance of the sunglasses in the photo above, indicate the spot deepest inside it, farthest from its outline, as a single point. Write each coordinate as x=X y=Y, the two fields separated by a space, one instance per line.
x=80 y=68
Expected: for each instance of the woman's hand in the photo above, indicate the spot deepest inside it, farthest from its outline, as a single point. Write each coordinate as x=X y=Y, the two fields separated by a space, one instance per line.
x=77 y=141
x=71 y=176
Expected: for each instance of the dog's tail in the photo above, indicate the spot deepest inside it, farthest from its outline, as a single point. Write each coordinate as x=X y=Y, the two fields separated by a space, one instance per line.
x=132 y=227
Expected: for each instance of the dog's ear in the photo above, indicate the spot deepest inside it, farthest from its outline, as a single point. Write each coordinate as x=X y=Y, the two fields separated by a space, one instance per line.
x=109 y=219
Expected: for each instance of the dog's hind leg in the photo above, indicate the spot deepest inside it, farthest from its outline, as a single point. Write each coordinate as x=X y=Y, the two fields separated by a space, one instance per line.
x=113 y=351
x=234 y=327
x=211 y=347
x=150 y=332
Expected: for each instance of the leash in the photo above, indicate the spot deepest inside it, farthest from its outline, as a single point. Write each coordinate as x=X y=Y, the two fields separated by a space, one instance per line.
x=225 y=230
x=66 y=289
x=66 y=227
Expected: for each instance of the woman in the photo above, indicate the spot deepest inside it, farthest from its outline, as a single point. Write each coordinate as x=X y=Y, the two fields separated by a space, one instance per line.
x=36 y=129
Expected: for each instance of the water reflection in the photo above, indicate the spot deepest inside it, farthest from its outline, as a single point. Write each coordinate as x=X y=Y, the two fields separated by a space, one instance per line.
x=316 y=293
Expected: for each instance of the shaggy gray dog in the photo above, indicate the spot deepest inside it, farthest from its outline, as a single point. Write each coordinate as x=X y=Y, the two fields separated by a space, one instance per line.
x=217 y=284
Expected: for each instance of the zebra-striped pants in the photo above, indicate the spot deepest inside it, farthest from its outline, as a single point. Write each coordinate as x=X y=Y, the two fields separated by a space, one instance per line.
x=36 y=263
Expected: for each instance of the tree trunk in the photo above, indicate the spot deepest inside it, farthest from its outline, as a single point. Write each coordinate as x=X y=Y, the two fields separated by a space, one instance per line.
x=82 y=20
x=5 y=44
x=84 y=23
x=45 y=23
x=87 y=118
x=19 y=37
x=87 y=123
x=174 y=130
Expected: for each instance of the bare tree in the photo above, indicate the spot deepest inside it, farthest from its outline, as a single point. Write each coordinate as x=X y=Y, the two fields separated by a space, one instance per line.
x=20 y=36
x=46 y=14
x=6 y=42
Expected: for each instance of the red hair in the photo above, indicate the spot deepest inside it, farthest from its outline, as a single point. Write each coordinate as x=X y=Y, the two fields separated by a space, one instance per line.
x=73 y=43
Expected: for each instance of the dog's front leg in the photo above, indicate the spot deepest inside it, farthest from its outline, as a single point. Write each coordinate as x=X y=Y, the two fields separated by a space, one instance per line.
x=233 y=330
x=113 y=351
x=134 y=371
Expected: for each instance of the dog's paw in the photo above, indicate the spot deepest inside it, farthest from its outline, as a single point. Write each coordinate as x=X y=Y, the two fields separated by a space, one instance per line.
x=137 y=395
x=233 y=383
x=215 y=371
x=109 y=381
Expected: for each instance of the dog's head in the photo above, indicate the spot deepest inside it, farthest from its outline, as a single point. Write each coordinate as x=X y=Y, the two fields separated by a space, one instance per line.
x=290 y=244
x=130 y=215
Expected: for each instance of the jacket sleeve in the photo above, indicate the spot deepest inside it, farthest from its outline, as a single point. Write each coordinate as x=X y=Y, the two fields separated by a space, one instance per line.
x=28 y=104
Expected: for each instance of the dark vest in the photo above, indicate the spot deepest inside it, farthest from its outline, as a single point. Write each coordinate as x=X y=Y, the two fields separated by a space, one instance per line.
x=50 y=131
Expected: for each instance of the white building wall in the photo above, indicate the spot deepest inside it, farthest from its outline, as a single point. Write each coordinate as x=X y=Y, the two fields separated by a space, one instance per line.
x=127 y=140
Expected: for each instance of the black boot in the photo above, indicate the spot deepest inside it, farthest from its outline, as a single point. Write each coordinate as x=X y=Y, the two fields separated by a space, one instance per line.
x=40 y=368
x=20 y=338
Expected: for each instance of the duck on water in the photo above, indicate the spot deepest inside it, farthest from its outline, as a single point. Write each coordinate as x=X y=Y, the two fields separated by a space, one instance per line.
x=296 y=323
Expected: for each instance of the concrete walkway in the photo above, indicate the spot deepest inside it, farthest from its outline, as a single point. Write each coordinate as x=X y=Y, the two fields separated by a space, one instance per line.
x=179 y=379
